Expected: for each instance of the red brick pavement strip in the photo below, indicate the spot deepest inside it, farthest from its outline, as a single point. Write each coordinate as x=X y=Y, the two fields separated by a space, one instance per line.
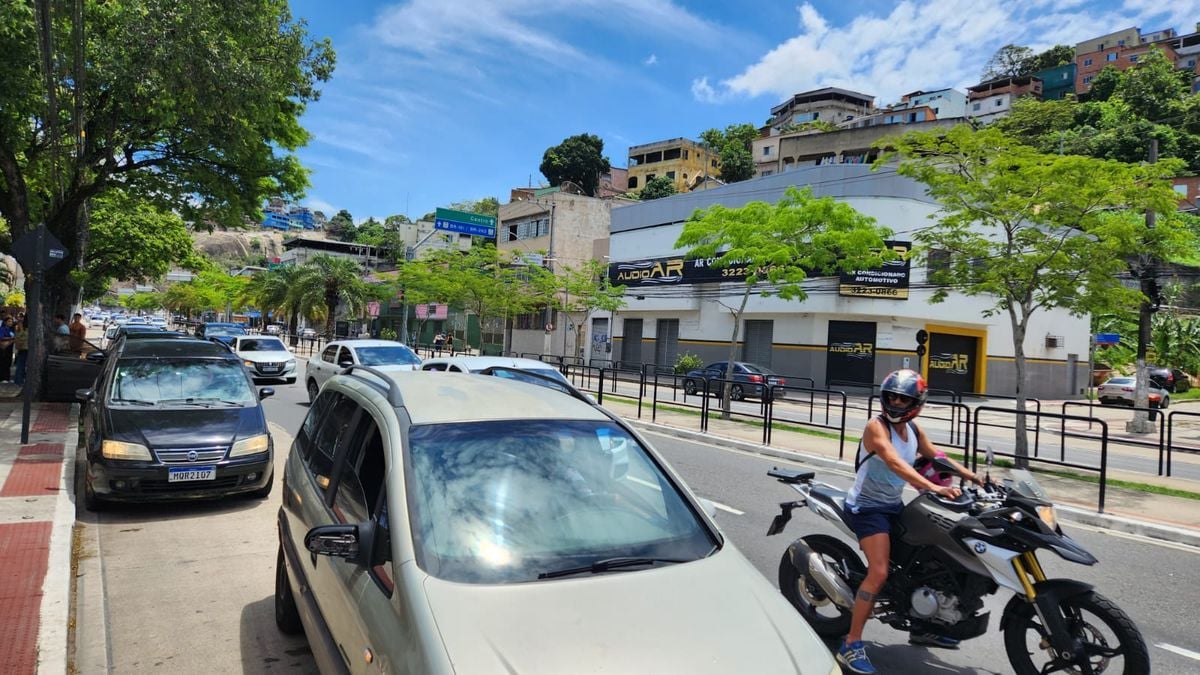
x=52 y=417
x=24 y=548
x=41 y=449
x=33 y=478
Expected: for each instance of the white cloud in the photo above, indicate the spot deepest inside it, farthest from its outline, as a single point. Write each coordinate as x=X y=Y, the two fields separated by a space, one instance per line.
x=318 y=204
x=920 y=45
x=650 y=60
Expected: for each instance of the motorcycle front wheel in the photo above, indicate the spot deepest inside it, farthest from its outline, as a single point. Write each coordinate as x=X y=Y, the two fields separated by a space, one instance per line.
x=1110 y=640
x=826 y=617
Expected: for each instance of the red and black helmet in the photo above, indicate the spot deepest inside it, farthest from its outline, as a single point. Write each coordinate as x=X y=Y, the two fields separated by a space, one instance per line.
x=908 y=384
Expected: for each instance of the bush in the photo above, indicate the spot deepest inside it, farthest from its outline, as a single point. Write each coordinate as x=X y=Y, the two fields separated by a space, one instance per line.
x=685 y=362
x=387 y=334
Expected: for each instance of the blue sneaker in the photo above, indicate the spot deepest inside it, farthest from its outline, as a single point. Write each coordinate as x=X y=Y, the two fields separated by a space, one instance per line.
x=853 y=655
x=933 y=640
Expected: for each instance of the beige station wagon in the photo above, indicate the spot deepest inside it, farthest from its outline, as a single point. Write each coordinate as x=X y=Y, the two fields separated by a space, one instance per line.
x=445 y=523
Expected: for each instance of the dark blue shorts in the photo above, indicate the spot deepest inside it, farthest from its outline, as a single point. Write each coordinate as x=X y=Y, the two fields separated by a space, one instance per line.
x=873 y=519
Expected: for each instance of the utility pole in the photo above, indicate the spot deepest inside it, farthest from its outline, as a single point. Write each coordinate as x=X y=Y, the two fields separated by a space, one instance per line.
x=1141 y=424
x=546 y=347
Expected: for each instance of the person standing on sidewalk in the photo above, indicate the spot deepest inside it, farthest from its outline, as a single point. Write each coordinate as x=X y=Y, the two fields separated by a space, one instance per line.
x=78 y=332
x=890 y=445
x=7 y=338
x=21 y=344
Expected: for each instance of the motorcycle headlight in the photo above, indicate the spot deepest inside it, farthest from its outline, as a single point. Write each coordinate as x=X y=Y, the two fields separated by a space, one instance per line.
x=122 y=450
x=1048 y=516
x=251 y=446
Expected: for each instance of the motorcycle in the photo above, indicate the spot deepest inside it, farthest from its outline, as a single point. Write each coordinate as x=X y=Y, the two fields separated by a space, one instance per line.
x=946 y=556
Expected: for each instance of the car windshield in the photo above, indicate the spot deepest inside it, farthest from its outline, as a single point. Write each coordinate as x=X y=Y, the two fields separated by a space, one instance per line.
x=544 y=372
x=261 y=345
x=181 y=381
x=387 y=356
x=506 y=501
x=1121 y=380
x=751 y=368
x=211 y=330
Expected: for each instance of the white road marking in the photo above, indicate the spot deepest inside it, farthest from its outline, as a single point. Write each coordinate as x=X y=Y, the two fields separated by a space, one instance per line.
x=1179 y=650
x=729 y=509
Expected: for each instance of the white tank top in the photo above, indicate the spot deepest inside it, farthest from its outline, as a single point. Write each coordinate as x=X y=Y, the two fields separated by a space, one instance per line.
x=875 y=484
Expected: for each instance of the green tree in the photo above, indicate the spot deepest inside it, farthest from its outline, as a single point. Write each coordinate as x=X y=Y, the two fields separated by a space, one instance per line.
x=780 y=244
x=732 y=146
x=341 y=226
x=331 y=281
x=133 y=240
x=579 y=159
x=1058 y=55
x=193 y=105
x=586 y=288
x=394 y=222
x=372 y=232
x=1031 y=231
x=276 y=291
x=657 y=188
x=485 y=284
x=1008 y=61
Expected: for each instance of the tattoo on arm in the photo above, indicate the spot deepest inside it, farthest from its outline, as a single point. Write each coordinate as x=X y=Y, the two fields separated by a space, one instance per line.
x=866 y=596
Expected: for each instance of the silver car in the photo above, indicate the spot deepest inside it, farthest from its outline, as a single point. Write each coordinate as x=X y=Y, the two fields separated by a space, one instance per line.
x=386 y=355
x=267 y=358
x=435 y=524
x=1119 y=391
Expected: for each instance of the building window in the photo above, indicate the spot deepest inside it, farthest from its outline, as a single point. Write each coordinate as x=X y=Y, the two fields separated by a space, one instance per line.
x=1133 y=58
x=999 y=101
x=767 y=172
x=671 y=175
x=1110 y=57
x=632 y=182
x=766 y=151
x=1087 y=80
x=1120 y=43
x=935 y=111
x=975 y=106
x=1191 y=63
x=1066 y=76
x=685 y=154
x=650 y=177
x=1087 y=62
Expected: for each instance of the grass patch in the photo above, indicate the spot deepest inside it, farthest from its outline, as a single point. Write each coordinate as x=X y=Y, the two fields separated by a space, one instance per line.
x=776 y=426
x=1126 y=484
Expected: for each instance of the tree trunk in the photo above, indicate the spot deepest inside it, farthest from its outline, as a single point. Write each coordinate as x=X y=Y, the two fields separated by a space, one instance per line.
x=1021 y=437
x=727 y=386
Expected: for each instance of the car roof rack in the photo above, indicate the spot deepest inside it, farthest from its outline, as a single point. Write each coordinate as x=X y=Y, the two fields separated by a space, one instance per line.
x=393 y=390
x=534 y=378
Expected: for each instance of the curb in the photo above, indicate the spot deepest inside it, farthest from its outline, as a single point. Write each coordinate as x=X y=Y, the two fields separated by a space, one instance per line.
x=54 y=624
x=1173 y=534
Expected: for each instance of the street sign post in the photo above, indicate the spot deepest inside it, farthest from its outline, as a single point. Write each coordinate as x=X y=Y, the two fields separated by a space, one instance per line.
x=37 y=251
x=1108 y=338
x=474 y=224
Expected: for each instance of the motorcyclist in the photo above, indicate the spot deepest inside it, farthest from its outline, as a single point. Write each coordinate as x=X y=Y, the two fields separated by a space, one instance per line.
x=890 y=444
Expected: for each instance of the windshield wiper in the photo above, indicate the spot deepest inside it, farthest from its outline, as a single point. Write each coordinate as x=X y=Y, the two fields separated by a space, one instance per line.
x=134 y=401
x=609 y=564
x=206 y=402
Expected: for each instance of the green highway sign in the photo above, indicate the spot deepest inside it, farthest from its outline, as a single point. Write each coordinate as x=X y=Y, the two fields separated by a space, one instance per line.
x=475 y=224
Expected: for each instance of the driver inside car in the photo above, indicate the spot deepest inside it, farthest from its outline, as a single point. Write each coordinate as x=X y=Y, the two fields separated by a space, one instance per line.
x=891 y=442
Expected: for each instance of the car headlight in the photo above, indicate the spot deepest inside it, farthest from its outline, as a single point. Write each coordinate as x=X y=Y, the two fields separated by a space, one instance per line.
x=122 y=450
x=248 y=364
x=251 y=446
x=291 y=364
x=1048 y=516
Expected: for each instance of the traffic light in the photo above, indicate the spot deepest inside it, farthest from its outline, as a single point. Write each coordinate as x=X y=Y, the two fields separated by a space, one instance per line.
x=922 y=338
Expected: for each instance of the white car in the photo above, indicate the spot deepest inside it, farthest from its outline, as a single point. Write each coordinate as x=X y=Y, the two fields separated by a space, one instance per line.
x=159 y=321
x=267 y=358
x=136 y=320
x=385 y=355
x=475 y=364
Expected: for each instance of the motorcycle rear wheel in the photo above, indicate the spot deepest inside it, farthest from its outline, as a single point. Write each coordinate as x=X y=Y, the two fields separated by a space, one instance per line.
x=1093 y=619
x=827 y=619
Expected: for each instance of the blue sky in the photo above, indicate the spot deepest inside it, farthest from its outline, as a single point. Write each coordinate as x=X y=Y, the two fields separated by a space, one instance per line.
x=438 y=101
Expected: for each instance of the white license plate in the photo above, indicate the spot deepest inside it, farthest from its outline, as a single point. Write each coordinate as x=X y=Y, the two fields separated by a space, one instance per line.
x=191 y=473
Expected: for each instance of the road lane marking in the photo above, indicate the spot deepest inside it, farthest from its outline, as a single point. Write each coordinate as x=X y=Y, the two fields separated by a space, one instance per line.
x=717 y=504
x=1179 y=650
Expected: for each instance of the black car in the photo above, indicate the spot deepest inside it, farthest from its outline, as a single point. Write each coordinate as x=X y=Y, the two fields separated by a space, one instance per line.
x=68 y=370
x=748 y=380
x=1172 y=379
x=174 y=419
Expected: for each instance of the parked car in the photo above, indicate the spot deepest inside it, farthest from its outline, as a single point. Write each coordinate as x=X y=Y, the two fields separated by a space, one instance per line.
x=475 y=364
x=748 y=379
x=308 y=333
x=174 y=419
x=273 y=329
x=267 y=358
x=1172 y=379
x=221 y=332
x=1120 y=390
x=469 y=514
x=385 y=355
x=158 y=321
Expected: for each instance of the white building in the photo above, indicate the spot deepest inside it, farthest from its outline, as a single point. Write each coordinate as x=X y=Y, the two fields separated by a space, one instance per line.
x=844 y=332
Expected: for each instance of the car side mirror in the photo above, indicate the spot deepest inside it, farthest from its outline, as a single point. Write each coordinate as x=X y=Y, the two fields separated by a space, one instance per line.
x=345 y=363
x=265 y=392
x=96 y=356
x=354 y=543
x=85 y=395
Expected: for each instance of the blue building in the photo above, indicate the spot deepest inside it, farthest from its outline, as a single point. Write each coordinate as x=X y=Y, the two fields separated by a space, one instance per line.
x=281 y=217
x=1057 y=82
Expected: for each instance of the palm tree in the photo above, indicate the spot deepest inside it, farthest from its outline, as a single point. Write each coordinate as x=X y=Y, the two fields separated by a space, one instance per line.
x=275 y=291
x=328 y=281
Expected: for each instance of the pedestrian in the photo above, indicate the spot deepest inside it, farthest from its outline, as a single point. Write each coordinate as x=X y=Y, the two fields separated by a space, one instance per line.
x=7 y=338
x=21 y=344
x=78 y=332
x=890 y=445
x=450 y=343
x=439 y=340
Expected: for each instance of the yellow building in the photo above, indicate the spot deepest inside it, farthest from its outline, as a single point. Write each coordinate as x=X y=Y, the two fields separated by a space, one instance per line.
x=684 y=161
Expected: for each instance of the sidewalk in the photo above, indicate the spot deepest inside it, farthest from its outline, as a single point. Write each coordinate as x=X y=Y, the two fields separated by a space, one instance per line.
x=37 y=514
x=1175 y=519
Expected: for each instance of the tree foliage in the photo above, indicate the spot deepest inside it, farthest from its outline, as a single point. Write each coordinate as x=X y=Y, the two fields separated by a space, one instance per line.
x=732 y=146
x=330 y=281
x=586 y=288
x=579 y=159
x=1008 y=61
x=1034 y=231
x=779 y=245
x=657 y=188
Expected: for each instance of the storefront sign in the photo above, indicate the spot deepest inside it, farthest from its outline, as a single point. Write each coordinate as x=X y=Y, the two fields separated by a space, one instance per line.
x=674 y=271
x=889 y=281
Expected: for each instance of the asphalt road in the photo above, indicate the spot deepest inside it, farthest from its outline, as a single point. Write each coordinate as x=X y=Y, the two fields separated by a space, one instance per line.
x=189 y=587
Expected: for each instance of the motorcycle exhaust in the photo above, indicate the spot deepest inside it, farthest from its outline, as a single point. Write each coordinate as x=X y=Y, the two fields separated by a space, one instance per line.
x=818 y=571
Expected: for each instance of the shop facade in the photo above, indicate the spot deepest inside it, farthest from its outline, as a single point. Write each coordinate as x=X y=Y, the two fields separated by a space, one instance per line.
x=851 y=330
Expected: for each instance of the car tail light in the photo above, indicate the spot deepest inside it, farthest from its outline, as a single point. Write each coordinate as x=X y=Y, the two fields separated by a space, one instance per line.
x=1126 y=388
x=781 y=382
x=755 y=378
